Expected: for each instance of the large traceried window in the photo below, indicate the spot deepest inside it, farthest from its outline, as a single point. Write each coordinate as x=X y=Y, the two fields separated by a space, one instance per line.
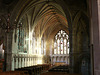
x=61 y=43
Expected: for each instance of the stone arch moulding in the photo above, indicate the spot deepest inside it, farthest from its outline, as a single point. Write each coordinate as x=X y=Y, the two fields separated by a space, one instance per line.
x=76 y=19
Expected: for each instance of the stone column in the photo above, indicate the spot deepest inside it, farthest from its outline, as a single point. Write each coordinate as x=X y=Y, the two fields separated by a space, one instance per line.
x=32 y=61
x=28 y=61
x=95 y=36
x=25 y=59
x=71 y=57
x=51 y=60
x=22 y=60
x=19 y=62
x=13 y=64
x=16 y=62
x=8 y=52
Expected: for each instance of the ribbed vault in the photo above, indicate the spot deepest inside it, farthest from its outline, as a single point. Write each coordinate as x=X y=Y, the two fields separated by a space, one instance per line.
x=51 y=19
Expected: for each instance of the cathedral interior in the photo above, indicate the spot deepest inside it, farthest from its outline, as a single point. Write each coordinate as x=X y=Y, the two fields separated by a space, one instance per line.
x=50 y=33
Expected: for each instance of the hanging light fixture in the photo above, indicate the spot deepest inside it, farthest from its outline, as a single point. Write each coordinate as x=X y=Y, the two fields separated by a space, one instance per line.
x=7 y=26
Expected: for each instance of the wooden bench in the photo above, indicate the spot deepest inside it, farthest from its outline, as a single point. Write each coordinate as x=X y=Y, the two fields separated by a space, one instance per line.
x=34 y=70
x=14 y=73
x=61 y=68
x=57 y=73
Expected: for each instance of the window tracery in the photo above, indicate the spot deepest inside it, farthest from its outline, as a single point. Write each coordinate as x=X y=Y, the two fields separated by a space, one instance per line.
x=61 y=43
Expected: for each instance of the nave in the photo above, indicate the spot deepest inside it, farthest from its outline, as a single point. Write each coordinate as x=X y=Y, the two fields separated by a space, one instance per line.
x=44 y=69
x=34 y=33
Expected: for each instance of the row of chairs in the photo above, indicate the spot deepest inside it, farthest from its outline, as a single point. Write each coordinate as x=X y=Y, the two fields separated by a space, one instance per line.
x=35 y=70
x=58 y=73
x=61 y=68
x=32 y=70
x=14 y=73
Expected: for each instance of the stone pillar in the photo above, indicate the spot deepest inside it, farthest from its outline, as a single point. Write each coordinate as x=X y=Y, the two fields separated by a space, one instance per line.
x=71 y=49
x=8 y=52
x=51 y=60
x=25 y=59
x=16 y=62
x=36 y=60
x=13 y=64
x=95 y=36
x=22 y=62
x=32 y=61
x=28 y=61
x=19 y=62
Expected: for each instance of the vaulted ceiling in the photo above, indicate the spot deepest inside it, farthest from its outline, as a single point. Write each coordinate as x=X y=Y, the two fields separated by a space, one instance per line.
x=50 y=15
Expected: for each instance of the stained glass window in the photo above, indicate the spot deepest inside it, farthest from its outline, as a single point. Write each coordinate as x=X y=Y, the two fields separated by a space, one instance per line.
x=61 y=43
x=21 y=39
x=65 y=46
x=54 y=51
x=42 y=47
